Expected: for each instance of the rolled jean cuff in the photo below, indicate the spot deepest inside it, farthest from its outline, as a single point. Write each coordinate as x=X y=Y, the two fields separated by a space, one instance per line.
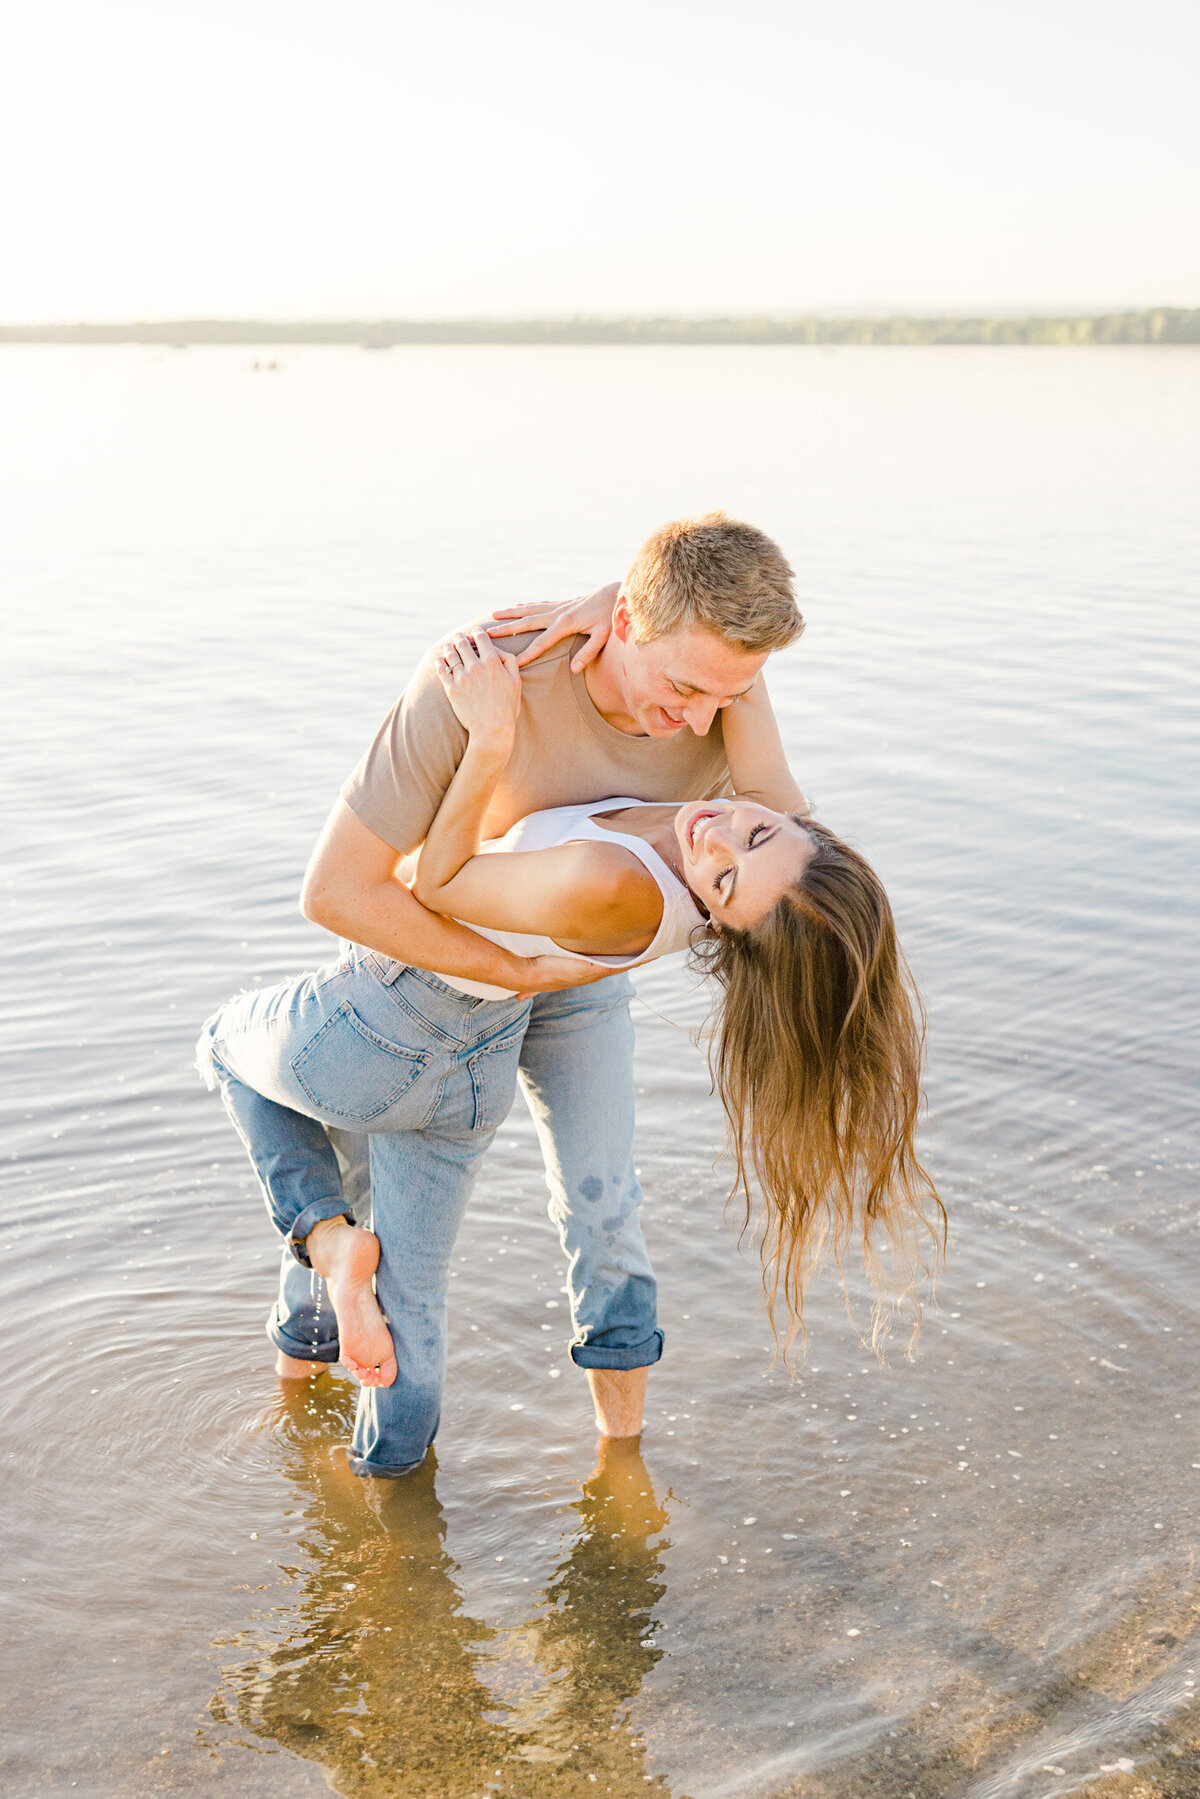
x=316 y=1213
x=300 y=1352
x=375 y=1471
x=638 y=1355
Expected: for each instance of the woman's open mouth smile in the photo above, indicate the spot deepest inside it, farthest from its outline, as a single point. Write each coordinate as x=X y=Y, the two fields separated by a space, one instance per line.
x=698 y=817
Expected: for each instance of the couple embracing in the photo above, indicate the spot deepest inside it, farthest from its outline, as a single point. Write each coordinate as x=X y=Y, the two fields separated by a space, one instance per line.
x=523 y=830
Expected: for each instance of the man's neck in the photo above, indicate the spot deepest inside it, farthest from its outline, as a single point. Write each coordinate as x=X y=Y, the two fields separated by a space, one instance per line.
x=602 y=678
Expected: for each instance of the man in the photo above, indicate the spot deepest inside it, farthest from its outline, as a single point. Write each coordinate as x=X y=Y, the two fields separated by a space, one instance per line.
x=704 y=604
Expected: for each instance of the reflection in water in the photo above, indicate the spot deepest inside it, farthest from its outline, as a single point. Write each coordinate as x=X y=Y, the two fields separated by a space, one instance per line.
x=383 y=1679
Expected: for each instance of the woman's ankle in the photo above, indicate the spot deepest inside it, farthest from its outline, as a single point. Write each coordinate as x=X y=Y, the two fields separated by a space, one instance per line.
x=322 y=1243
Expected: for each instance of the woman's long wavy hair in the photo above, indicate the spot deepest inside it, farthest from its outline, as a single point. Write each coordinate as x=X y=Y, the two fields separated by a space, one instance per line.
x=817 y=1043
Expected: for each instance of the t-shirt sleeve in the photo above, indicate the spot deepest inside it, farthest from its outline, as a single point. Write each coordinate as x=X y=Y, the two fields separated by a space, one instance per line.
x=399 y=784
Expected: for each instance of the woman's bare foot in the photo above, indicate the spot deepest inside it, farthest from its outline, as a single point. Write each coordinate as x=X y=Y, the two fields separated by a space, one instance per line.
x=347 y=1257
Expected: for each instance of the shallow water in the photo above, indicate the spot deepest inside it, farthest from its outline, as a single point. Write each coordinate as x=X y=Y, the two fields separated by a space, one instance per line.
x=969 y=1576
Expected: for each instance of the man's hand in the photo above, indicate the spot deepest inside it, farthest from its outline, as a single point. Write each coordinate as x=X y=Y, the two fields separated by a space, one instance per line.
x=547 y=974
x=483 y=686
x=590 y=616
x=351 y=888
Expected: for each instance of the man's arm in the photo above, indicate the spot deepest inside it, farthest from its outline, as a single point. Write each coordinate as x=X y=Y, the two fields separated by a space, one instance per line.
x=351 y=887
x=757 y=765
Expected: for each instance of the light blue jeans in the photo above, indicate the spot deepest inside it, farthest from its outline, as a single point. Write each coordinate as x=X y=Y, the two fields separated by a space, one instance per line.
x=371 y=1051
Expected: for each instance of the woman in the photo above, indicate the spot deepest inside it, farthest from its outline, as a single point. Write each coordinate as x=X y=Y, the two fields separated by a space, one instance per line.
x=816 y=1051
x=817 y=1030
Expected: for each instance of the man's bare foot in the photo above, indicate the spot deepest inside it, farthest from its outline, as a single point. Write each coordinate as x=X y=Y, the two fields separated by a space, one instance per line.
x=290 y=1367
x=347 y=1257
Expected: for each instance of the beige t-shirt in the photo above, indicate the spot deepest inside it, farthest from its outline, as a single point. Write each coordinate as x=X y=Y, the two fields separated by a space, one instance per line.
x=564 y=754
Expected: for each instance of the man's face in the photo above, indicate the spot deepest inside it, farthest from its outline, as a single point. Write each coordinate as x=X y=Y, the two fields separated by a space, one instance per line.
x=683 y=679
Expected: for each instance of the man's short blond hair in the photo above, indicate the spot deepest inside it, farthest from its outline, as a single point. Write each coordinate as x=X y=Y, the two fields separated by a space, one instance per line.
x=716 y=574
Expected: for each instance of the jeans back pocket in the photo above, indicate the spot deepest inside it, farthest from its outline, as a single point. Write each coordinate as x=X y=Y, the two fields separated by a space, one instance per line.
x=493 y=1070
x=351 y=1072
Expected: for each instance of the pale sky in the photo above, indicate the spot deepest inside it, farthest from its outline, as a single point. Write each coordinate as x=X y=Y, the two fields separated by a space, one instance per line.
x=250 y=158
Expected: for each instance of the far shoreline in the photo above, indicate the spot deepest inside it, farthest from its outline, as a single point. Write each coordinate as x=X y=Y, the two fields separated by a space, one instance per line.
x=1164 y=325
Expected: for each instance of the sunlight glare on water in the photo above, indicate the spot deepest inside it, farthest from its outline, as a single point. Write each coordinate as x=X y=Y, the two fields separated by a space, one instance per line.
x=971 y=1575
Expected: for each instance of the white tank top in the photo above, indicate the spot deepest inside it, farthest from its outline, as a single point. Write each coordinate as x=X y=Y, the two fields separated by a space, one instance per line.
x=546 y=830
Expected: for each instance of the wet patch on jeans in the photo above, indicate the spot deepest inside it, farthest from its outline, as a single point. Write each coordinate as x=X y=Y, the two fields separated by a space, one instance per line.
x=625 y=1326
x=591 y=1187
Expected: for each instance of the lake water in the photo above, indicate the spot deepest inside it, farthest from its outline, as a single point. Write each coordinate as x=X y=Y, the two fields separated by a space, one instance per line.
x=965 y=1577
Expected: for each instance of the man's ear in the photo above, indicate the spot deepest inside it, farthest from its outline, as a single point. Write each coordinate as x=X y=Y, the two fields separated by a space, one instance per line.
x=622 y=624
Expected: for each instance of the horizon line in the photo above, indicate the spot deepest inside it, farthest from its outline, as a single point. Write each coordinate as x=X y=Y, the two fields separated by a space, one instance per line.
x=1144 y=325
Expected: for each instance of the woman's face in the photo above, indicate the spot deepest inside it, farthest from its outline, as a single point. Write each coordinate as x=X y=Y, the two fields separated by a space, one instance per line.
x=739 y=858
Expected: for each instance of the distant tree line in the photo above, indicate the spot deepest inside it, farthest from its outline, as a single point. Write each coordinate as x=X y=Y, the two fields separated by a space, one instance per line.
x=1161 y=325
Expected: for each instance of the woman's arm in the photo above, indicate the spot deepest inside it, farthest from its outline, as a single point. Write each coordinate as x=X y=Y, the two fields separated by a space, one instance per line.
x=484 y=688
x=586 y=896
x=754 y=750
x=591 y=898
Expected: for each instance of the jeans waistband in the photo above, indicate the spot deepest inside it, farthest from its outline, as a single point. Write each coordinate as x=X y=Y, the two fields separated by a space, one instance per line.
x=447 y=1000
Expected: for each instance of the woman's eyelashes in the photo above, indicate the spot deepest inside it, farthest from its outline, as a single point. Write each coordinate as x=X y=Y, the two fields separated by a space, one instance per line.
x=752 y=839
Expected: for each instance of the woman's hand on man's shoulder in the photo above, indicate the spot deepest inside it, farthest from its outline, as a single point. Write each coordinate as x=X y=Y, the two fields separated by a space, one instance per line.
x=482 y=684
x=553 y=620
